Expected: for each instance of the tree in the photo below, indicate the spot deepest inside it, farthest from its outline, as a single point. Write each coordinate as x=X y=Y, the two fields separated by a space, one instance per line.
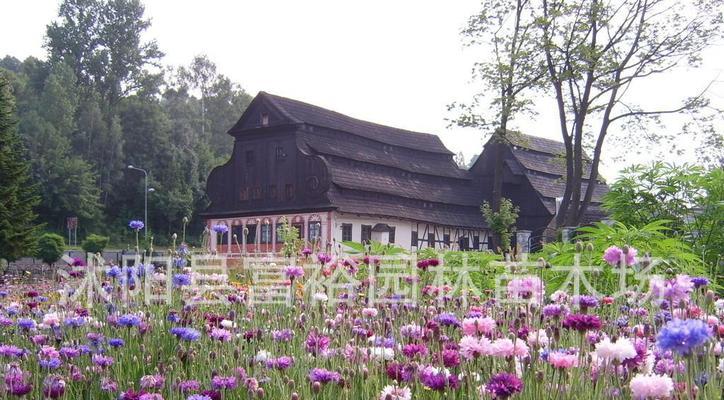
x=50 y=248
x=102 y=41
x=94 y=243
x=595 y=51
x=18 y=196
x=507 y=29
x=501 y=222
x=688 y=197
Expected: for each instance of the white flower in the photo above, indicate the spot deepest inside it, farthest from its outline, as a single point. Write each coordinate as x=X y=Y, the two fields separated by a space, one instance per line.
x=621 y=350
x=51 y=319
x=393 y=392
x=538 y=339
x=382 y=353
x=228 y=324
x=262 y=356
x=721 y=365
x=320 y=297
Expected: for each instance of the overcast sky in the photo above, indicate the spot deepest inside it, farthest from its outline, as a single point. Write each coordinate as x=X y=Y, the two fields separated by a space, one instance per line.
x=395 y=62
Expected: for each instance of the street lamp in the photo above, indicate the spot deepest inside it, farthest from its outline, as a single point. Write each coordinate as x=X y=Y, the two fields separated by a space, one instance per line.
x=146 y=191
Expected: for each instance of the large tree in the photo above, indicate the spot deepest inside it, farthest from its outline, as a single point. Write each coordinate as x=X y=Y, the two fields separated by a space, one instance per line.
x=505 y=31
x=596 y=52
x=18 y=196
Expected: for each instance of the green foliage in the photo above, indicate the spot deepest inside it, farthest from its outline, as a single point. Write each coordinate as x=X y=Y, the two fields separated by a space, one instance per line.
x=289 y=235
x=373 y=248
x=94 y=243
x=50 y=248
x=18 y=195
x=501 y=222
x=676 y=256
x=689 y=197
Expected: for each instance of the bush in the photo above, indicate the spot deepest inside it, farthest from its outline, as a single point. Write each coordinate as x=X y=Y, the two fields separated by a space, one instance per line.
x=94 y=243
x=50 y=248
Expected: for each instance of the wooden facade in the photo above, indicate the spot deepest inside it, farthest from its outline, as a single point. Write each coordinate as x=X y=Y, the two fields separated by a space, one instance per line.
x=296 y=160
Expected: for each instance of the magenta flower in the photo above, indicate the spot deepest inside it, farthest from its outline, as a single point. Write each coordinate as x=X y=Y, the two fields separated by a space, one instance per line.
x=582 y=322
x=293 y=271
x=504 y=385
x=316 y=344
x=322 y=375
x=614 y=255
x=224 y=382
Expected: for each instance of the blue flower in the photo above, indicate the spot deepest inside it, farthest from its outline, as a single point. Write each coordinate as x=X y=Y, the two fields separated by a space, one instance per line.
x=75 y=322
x=51 y=363
x=136 y=225
x=187 y=334
x=173 y=317
x=181 y=280
x=129 y=320
x=683 y=335
x=116 y=342
x=26 y=323
x=699 y=281
x=114 y=271
x=448 y=319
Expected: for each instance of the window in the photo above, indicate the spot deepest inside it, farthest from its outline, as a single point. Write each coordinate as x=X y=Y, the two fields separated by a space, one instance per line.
x=446 y=239
x=251 y=236
x=249 y=157
x=273 y=192
x=464 y=243
x=238 y=231
x=266 y=233
x=346 y=232
x=244 y=194
x=431 y=240
x=315 y=230
x=280 y=228
x=366 y=235
x=280 y=154
x=413 y=240
x=476 y=242
x=264 y=119
x=289 y=191
x=392 y=234
x=300 y=229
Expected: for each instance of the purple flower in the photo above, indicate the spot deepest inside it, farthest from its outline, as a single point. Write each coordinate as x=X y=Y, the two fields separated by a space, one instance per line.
x=504 y=385
x=136 y=225
x=11 y=351
x=284 y=335
x=438 y=379
x=316 y=344
x=26 y=323
x=53 y=387
x=17 y=383
x=181 y=280
x=582 y=322
x=187 y=334
x=699 y=281
x=323 y=258
x=116 y=342
x=129 y=320
x=294 y=271
x=282 y=362
x=102 y=361
x=220 y=228
x=682 y=336
x=322 y=375
x=224 y=382
x=448 y=319
x=585 y=301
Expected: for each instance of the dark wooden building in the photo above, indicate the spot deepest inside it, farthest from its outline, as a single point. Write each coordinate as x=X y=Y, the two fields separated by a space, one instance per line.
x=338 y=178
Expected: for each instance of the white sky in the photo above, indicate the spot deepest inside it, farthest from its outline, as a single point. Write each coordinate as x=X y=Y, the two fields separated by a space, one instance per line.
x=395 y=62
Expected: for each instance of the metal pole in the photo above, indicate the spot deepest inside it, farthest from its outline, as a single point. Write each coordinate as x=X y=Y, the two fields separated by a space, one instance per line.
x=145 y=205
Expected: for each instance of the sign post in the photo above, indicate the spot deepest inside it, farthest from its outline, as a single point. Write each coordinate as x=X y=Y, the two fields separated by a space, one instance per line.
x=72 y=225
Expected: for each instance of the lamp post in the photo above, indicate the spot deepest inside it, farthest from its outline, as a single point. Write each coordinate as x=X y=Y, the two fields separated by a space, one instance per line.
x=146 y=191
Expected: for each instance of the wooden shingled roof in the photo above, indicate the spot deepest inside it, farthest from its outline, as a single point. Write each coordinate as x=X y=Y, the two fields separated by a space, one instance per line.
x=542 y=162
x=310 y=114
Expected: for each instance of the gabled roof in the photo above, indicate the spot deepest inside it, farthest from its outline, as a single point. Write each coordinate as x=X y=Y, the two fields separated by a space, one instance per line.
x=299 y=112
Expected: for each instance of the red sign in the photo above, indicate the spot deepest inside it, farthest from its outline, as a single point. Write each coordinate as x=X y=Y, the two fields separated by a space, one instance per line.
x=72 y=222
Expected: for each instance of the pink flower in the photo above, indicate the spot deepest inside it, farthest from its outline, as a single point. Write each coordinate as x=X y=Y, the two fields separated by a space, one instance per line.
x=369 y=312
x=220 y=334
x=506 y=348
x=614 y=255
x=473 y=326
x=651 y=386
x=563 y=360
x=529 y=288
x=471 y=347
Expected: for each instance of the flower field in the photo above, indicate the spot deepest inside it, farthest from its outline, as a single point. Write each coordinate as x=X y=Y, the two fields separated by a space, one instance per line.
x=663 y=343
